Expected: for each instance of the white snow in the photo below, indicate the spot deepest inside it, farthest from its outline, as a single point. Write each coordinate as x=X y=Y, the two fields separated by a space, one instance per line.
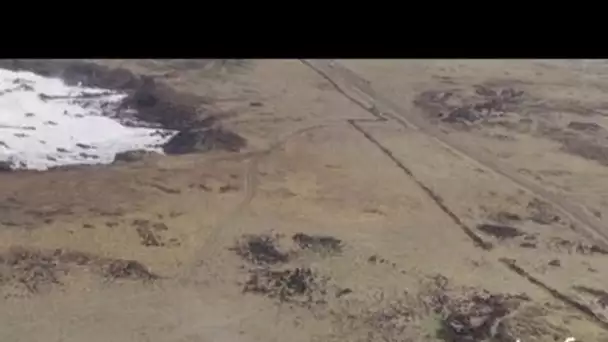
x=45 y=123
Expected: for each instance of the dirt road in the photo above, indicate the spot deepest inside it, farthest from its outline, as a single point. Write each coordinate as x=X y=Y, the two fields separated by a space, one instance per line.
x=585 y=224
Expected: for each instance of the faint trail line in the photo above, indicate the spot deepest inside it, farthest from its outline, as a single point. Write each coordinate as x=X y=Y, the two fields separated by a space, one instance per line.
x=585 y=310
x=438 y=201
x=477 y=241
x=511 y=265
x=251 y=182
x=591 y=228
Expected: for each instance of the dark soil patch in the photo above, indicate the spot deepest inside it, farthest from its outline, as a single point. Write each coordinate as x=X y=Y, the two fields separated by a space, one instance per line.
x=132 y=156
x=584 y=309
x=578 y=247
x=50 y=212
x=147 y=232
x=148 y=238
x=227 y=188
x=126 y=269
x=459 y=315
x=506 y=217
x=585 y=148
x=260 y=250
x=585 y=126
x=527 y=245
x=299 y=285
x=6 y=166
x=542 y=212
x=588 y=144
x=318 y=243
x=500 y=232
x=460 y=106
x=601 y=295
x=343 y=292
x=473 y=318
x=107 y=213
x=469 y=314
x=158 y=103
x=203 y=140
x=38 y=269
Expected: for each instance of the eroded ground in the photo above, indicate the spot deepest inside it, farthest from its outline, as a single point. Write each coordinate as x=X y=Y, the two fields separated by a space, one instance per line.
x=329 y=201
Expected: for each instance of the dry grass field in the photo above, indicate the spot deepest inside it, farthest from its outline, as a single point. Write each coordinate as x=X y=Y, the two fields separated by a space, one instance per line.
x=344 y=200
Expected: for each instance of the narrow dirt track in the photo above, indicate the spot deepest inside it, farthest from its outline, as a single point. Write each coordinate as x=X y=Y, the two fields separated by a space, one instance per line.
x=349 y=82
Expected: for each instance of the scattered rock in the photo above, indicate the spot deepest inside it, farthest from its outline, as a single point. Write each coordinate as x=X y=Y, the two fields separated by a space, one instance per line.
x=473 y=318
x=88 y=226
x=462 y=114
x=601 y=295
x=578 y=247
x=204 y=140
x=148 y=238
x=165 y=189
x=500 y=232
x=174 y=214
x=461 y=107
x=584 y=126
x=584 y=147
x=343 y=292
x=155 y=102
x=260 y=250
x=160 y=226
x=37 y=270
x=318 y=243
x=132 y=156
x=505 y=217
x=145 y=231
x=174 y=242
x=597 y=249
x=555 y=263
x=483 y=91
x=299 y=285
x=542 y=212
x=227 y=188
x=127 y=269
x=527 y=245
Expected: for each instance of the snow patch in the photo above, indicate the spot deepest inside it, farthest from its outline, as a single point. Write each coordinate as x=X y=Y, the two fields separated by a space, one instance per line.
x=45 y=123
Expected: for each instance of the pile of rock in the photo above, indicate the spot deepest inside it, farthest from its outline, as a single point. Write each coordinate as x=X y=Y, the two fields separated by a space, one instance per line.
x=487 y=103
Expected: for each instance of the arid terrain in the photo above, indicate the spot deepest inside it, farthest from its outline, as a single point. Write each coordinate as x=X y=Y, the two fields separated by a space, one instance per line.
x=323 y=200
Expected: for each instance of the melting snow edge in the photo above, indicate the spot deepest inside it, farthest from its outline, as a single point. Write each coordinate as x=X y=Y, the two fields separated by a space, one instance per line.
x=45 y=123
